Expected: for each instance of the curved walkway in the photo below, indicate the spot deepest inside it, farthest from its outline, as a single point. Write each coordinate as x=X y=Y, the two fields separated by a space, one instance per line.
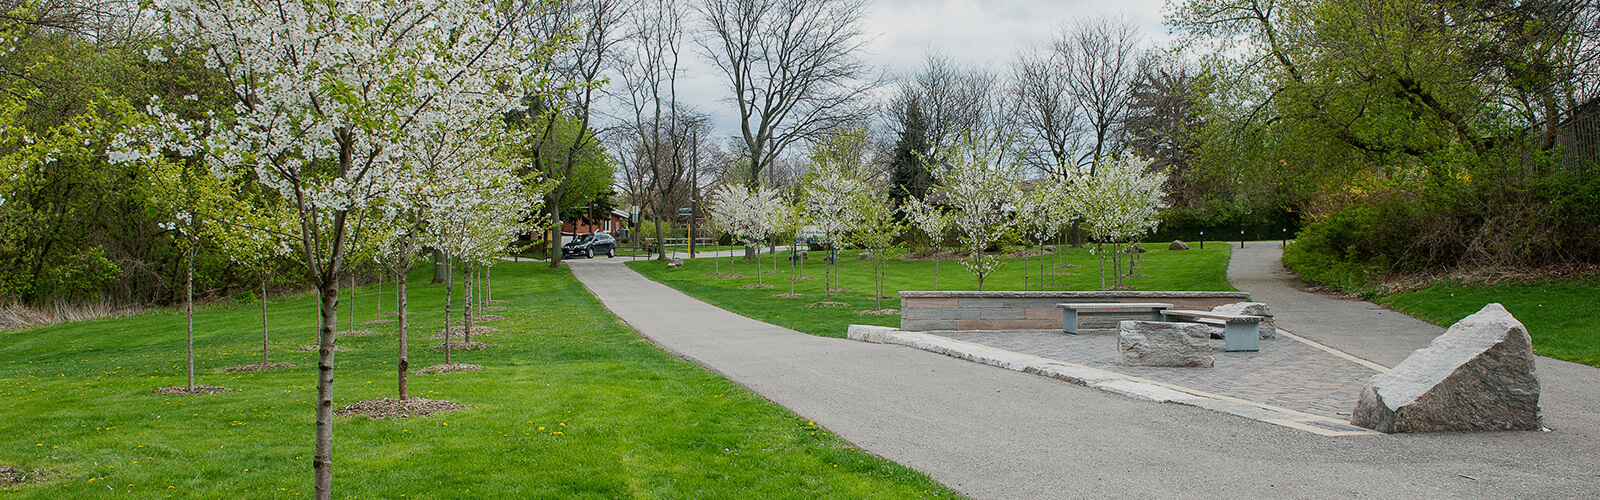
x=995 y=433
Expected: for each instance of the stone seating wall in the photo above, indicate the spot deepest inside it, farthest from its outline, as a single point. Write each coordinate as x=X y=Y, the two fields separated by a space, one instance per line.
x=972 y=310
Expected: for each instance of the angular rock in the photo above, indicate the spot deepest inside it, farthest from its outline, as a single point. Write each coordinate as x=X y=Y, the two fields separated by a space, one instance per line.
x=676 y=262
x=1133 y=249
x=1478 y=376
x=1269 y=329
x=864 y=255
x=1178 y=245
x=1159 y=343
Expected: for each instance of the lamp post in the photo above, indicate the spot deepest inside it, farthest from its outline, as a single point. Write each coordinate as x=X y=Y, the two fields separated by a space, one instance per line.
x=1202 y=240
x=1241 y=238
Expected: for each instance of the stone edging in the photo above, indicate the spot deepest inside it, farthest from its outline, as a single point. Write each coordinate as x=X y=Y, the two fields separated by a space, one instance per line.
x=1065 y=294
x=1112 y=382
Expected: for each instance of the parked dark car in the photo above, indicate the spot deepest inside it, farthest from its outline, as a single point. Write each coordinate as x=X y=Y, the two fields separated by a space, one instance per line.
x=590 y=245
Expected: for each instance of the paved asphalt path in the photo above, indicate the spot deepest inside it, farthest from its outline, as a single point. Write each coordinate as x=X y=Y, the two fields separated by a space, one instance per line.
x=994 y=433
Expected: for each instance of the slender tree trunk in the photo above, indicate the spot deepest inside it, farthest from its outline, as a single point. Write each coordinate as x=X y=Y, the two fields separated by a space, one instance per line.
x=488 y=283
x=449 y=290
x=1025 y=262
x=264 y=344
x=936 y=250
x=379 y=296
x=466 y=305
x=758 y=265
x=1099 y=249
x=188 y=311
x=352 y=326
x=328 y=291
x=405 y=362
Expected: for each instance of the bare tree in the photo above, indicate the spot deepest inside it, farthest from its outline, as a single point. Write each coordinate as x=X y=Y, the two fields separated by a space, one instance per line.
x=1102 y=56
x=792 y=67
x=657 y=127
x=1050 y=126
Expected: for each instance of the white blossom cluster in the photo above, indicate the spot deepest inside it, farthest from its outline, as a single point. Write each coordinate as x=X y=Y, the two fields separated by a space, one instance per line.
x=1120 y=201
x=750 y=214
x=829 y=197
x=982 y=191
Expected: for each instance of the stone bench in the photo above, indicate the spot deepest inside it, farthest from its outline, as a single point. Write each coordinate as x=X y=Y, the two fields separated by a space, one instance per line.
x=967 y=310
x=1071 y=311
x=1240 y=332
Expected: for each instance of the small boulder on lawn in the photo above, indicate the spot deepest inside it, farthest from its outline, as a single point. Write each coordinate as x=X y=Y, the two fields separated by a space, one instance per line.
x=1160 y=343
x=1478 y=376
x=1269 y=329
x=864 y=255
x=1133 y=249
x=1178 y=245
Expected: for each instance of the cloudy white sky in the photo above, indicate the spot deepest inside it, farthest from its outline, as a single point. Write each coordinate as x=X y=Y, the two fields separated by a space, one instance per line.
x=985 y=33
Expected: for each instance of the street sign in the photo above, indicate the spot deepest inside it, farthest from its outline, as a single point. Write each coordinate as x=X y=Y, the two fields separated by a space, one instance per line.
x=685 y=212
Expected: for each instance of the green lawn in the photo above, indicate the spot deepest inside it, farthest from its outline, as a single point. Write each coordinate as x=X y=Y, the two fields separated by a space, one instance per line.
x=571 y=404
x=1162 y=270
x=1560 y=315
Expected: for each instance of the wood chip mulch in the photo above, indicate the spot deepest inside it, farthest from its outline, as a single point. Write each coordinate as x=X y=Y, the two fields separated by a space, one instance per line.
x=1067 y=266
x=184 y=390
x=312 y=348
x=713 y=274
x=878 y=312
x=258 y=367
x=1134 y=276
x=1063 y=274
x=759 y=285
x=801 y=278
x=455 y=331
x=492 y=308
x=16 y=475
x=837 y=290
x=494 y=301
x=733 y=277
x=378 y=409
x=770 y=271
x=456 y=345
x=789 y=295
x=827 y=304
x=448 y=368
x=487 y=317
x=408 y=313
x=375 y=321
x=357 y=333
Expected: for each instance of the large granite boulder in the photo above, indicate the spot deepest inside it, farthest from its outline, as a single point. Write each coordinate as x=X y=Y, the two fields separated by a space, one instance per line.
x=1178 y=245
x=1133 y=249
x=1160 y=343
x=1477 y=376
x=1269 y=329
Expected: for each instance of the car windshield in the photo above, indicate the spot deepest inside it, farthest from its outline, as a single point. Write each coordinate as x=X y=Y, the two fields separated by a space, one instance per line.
x=583 y=238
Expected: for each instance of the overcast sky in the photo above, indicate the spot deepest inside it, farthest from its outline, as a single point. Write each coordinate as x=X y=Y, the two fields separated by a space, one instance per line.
x=976 y=32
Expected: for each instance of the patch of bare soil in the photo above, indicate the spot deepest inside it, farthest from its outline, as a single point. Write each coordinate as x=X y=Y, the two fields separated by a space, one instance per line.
x=1134 y=276
x=759 y=285
x=774 y=271
x=1068 y=266
x=1031 y=252
x=258 y=367
x=880 y=297
x=789 y=295
x=1063 y=274
x=375 y=322
x=494 y=301
x=455 y=331
x=878 y=312
x=448 y=368
x=492 y=308
x=837 y=290
x=1057 y=284
x=184 y=390
x=357 y=333
x=827 y=304
x=11 y=476
x=488 y=317
x=733 y=276
x=801 y=278
x=456 y=345
x=377 y=409
x=714 y=274
x=931 y=256
x=312 y=348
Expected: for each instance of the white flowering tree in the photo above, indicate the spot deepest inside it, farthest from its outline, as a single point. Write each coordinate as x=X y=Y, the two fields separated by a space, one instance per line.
x=933 y=222
x=258 y=238
x=1038 y=218
x=875 y=230
x=330 y=96
x=788 y=218
x=1118 y=204
x=829 y=194
x=750 y=214
x=979 y=184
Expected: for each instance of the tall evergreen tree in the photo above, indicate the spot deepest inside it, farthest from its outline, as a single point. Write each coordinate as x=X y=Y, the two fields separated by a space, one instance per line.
x=908 y=175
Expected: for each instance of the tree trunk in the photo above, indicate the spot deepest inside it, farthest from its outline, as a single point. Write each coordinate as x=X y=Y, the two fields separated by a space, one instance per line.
x=466 y=305
x=352 y=326
x=404 y=363
x=264 y=345
x=379 y=296
x=188 y=311
x=440 y=266
x=449 y=290
x=555 y=235
x=328 y=290
x=488 y=283
x=936 y=250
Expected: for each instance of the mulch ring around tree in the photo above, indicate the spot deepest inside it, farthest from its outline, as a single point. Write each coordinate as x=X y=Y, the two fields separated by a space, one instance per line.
x=1068 y=266
x=375 y=321
x=12 y=476
x=408 y=313
x=827 y=304
x=789 y=295
x=838 y=290
x=455 y=331
x=312 y=348
x=487 y=317
x=774 y=271
x=801 y=278
x=378 y=409
x=1063 y=274
x=494 y=301
x=258 y=367
x=448 y=368
x=759 y=285
x=456 y=345
x=184 y=390
x=492 y=308
x=878 y=312
x=356 y=333
x=713 y=274
x=733 y=277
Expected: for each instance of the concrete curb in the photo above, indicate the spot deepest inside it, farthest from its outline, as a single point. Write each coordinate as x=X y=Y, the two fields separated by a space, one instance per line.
x=1116 y=383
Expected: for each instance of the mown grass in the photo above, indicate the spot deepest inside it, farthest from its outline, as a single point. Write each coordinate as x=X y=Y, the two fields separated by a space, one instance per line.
x=1560 y=315
x=1160 y=269
x=571 y=404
